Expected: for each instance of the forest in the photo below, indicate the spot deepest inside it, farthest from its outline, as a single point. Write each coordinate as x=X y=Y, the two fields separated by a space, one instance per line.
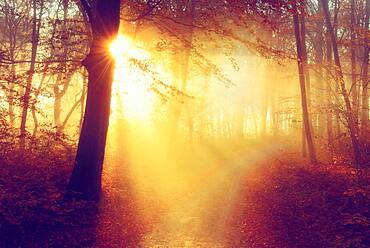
x=184 y=123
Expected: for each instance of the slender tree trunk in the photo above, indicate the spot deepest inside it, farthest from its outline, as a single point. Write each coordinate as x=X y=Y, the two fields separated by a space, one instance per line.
x=329 y=115
x=57 y=108
x=86 y=176
x=274 y=114
x=264 y=112
x=12 y=40
x=305 y=62
x=307 y=82
x=274 y=110
x=365 y=79
x=11 y=96
x=183 y=70
x=31 y=71
x=69 y=114
x=300 y=62
x=35 y=123
x=339 y=74
x=304 y=140
x=255 y=122
x=338 y=132
x=62 y=83
x=353 y=59
x=320 y=41
x=203 y=131
x=33 y=106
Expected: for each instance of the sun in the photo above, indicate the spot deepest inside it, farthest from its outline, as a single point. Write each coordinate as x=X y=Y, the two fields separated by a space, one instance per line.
x=130 y=86
x=123 y=48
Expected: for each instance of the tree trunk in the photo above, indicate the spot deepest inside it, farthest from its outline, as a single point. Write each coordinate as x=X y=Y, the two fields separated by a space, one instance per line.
x=63 y=77
x=339 y=76
x=305 y=62
x=329 y=116
x=85 y=181
x=11 y=94
x=273 y=112
x=307 y=82
x=35 y=123
x=12 y=36
x=319 y=74
x=300 y=61
x=182 y=70
x=364 y=77
x=27 y=93
x=353 y=59
x=57 y=107
x=264 y=112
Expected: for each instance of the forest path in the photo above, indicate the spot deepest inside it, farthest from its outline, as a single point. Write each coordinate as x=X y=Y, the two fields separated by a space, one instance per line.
x=191 y=201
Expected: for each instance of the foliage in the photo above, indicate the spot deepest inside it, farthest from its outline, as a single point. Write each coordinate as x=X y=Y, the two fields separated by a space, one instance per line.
x=290 y=205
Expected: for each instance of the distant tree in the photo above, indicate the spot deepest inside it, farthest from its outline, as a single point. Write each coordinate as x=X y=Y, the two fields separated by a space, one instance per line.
x=15 y=25
x=353 y=58
x=36 y=25
x=364 y=76
x=351 y=121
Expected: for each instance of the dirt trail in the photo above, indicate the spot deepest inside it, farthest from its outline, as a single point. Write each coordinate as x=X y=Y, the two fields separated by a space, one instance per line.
x=198 y=212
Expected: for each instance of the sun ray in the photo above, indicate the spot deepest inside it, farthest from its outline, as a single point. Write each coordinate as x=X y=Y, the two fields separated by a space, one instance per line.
x=131 y=84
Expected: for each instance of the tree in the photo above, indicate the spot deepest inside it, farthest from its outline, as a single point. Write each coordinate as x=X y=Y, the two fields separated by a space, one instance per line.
x=181 y=69
x=365 y=79
x=300 y=61
x=329 y=115
x=353 y=58
x=318 y=45
x=104 y=20
x=352 y=126
x=62 y=82
x=36 y=25
x=15 y=24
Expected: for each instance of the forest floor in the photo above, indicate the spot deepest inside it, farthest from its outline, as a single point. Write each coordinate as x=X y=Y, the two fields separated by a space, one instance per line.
x=244 y=200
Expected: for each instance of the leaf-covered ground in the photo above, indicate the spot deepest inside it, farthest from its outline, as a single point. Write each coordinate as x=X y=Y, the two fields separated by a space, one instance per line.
x=296 y=206
x=271 y=204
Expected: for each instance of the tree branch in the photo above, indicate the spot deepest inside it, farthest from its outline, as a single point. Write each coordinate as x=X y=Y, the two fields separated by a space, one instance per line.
x=88 y=10
x=144 y=14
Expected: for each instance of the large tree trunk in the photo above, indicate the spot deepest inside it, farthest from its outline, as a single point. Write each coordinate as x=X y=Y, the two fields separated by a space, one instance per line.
x=364 y=77
x=300 y=61
x=86 y=176
x=352 y=126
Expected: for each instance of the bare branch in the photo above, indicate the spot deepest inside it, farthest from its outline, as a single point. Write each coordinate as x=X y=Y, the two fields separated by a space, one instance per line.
x=88 y=10
x=146 y=13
